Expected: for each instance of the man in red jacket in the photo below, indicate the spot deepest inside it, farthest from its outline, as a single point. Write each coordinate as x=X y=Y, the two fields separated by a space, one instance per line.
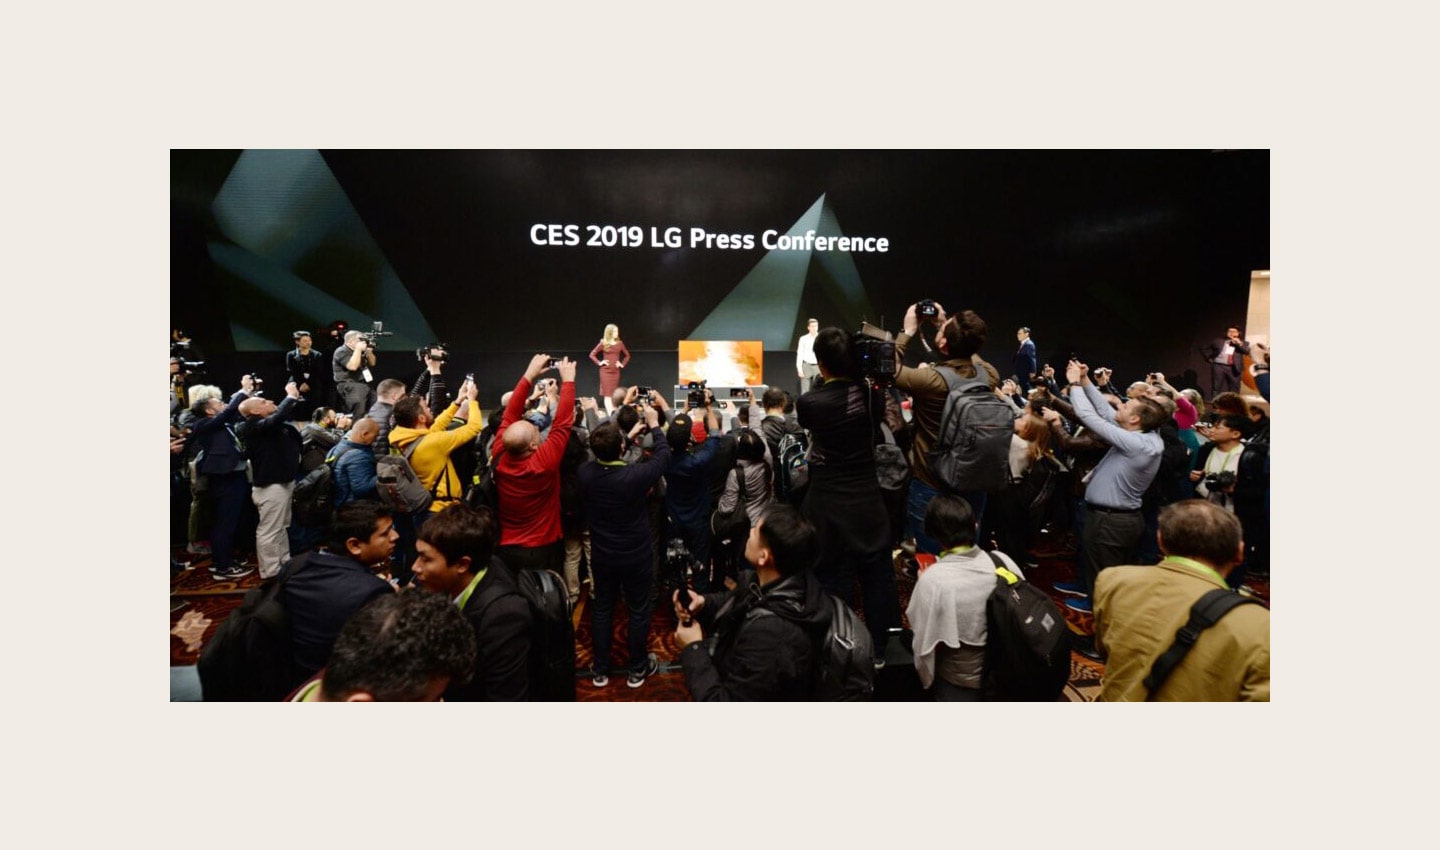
x=527 y=473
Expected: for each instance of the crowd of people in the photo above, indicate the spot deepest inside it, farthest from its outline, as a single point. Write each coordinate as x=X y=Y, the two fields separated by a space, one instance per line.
x=729 y=510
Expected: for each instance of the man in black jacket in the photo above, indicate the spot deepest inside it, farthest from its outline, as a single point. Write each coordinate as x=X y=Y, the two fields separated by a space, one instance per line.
x=272 y=444
x=329 y=586
x=767 y=630
x=455 y=556
x=614 y=499
x=1235 y=474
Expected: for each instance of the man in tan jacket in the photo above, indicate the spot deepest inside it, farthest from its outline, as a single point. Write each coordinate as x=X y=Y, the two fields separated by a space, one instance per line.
x=1138 y=610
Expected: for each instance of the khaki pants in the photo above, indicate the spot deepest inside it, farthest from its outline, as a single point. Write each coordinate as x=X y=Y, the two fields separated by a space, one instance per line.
x=272 y=535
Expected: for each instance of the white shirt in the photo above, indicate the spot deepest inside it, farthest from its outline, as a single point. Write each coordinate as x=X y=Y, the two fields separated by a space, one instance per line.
x=805 y=352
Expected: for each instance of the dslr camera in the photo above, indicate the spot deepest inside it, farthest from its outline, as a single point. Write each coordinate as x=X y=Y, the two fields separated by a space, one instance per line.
x=926 y=308
x=696 y=396
x=1220 y=480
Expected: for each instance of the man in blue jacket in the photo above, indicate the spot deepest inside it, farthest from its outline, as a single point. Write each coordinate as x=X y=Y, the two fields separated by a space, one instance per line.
x=353 y=473
x=687 y=487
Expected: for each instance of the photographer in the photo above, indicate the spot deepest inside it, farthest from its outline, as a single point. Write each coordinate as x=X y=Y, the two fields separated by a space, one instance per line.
x=843 y=503
x=351 y=365
x=527 y=472
x=687 y=483
x=430 y=385
x=273 y=446
x=1236 y=476
x=958 y=338
x=221 y=462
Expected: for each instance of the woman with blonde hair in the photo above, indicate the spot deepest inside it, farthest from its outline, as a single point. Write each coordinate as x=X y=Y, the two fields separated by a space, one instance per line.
x=611 y=356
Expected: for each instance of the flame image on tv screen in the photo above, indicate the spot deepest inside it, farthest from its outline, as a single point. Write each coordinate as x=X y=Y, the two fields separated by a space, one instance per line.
x=722 y=363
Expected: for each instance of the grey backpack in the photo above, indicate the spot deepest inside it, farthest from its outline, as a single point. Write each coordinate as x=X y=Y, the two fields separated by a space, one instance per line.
x=891 y=468
x=972 y=452
x=398 y=486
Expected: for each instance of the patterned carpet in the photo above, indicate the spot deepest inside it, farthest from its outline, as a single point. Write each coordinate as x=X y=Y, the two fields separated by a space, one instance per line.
x=199 y=603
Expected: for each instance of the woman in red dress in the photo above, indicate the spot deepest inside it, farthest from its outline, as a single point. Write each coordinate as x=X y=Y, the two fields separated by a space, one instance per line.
x=611 y=356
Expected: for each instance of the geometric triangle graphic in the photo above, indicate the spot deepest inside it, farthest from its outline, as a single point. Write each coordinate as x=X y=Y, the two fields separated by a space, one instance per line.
x=766 y=303
x=296 y=253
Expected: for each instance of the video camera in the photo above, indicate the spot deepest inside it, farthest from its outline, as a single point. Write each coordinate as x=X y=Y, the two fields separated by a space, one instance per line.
x=377 y=330
x=874 y=351
x=696 y=396
x=424 y=351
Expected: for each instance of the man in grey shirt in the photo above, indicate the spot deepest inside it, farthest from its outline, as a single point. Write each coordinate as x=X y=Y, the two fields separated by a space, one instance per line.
x=1113 y=524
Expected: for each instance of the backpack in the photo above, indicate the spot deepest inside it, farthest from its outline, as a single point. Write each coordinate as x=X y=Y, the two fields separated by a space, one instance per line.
x=792 y=467
x=972 y=451
x=552 y=632
x=847 y=657
x=312 y=454
x=844 y=655
x=1036 y=487
x=1205 y=613
x=1027 y=647
x=484 y=490
x=313 y=502
x=397 y=485
x=890 y=465
x=251 y=657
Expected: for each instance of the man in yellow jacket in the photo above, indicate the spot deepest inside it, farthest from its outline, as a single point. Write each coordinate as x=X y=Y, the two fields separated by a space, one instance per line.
x=431 y=458
x=1138 y=610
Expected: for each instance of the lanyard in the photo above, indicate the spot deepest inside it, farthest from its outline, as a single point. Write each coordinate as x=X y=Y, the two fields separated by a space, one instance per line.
x=956 y=551
x=469 y=589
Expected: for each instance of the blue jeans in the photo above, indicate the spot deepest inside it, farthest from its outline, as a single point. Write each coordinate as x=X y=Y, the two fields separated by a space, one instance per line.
x=637 y=580
x=920 y=496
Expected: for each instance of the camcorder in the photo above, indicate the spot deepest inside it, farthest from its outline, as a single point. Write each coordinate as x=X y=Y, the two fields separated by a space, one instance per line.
x=377 y=330
x=696 y=396
x=423 y=352
x=874 y=351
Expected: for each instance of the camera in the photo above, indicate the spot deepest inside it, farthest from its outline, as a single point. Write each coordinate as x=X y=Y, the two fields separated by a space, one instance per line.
x=192 y=367
x=1220 y=480
x=696 y=396
x=377 y=330
x=740 y=392
x=926 y=308
x=874 y=352
x=424 y=351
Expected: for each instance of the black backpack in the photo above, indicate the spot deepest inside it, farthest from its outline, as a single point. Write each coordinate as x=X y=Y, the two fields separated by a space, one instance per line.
x=844 y=655
x=1027 y=645
x=1035 y=489
x=313 y=501
x=972 y=449
x=251 y=657
x=552 y=632
x=792 y=467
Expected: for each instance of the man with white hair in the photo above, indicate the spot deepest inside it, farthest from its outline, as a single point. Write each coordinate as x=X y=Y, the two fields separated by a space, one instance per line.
x=527 y=473
x=351 y=363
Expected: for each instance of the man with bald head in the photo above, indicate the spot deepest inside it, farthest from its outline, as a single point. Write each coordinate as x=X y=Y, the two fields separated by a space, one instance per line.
x=272 y=443
x=527 y=473
x=352 y=472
